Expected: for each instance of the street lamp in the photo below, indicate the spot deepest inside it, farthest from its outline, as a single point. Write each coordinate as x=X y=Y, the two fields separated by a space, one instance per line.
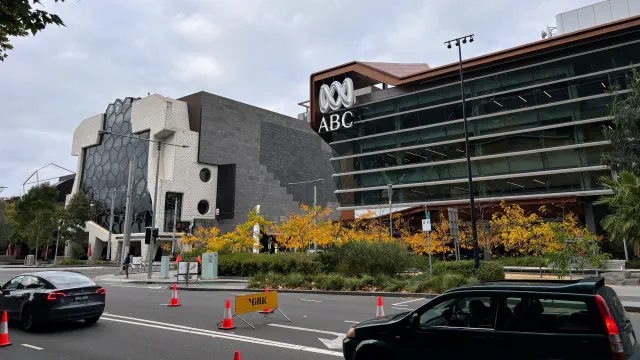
x=458 y=42
x=315 y=200
x=155 y=190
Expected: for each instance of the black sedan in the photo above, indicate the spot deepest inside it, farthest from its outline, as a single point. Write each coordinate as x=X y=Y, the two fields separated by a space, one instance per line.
x=43 y=297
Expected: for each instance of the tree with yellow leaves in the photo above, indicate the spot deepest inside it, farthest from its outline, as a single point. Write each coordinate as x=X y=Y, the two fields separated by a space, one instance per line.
x=241 y=239
x=311 y=225
x=205 y=239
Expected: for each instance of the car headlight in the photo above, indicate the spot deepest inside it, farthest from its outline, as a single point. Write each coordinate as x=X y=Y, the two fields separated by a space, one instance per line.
x=351 y=334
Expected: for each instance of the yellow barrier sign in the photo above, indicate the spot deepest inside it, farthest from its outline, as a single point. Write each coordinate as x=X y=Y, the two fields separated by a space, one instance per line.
x=256 y=302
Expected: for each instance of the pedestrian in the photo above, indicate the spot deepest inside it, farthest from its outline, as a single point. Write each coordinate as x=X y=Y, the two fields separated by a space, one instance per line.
x=127 y=262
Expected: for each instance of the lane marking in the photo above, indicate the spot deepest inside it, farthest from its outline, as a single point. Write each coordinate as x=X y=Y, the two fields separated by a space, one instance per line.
x=318 y=301
x=353 y=322
x=408 y=301
x=239 y=293
x=214 y=334
x=404 y=309
x=32 y=347
x=306 y=329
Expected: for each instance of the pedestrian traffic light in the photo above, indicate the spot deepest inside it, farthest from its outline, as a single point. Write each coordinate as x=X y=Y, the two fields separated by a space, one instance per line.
x=147 y=236
x=155 y=234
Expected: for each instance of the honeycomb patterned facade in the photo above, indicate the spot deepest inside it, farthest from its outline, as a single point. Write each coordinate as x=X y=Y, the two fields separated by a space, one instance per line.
x=106 y=167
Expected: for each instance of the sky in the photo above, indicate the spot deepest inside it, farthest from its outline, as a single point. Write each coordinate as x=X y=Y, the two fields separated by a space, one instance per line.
x=256 y=51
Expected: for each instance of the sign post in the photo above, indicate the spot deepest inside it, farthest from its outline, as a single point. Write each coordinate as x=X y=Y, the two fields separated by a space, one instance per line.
x=426 y=226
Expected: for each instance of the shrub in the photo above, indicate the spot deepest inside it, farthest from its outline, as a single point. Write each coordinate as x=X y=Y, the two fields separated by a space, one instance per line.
x=246 y=264
x=488 y=271
x=361 y=257
x=77 y=250
x=293 y=280
x=632 y=264
x=335 y=282
x=352 y=283
x=531 y=261
x=71 y=262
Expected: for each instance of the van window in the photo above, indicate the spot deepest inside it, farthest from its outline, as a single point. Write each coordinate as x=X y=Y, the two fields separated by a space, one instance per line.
x=546 y=315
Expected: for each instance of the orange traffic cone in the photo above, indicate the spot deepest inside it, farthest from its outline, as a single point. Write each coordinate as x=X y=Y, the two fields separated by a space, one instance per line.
x=267 y=310
x=380 y=309
x=174 y=297
x=227 y=321
x=4 y=331
x=236 y=356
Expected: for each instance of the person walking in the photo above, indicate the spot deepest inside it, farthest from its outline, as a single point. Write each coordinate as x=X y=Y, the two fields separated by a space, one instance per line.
x=127 y=262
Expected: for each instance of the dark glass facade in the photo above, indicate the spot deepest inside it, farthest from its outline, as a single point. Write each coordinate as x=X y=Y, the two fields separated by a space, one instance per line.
x=105 y=167
x=533 y=130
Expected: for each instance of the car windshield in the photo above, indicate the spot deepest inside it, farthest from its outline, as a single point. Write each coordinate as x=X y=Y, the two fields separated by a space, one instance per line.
x=61 y=280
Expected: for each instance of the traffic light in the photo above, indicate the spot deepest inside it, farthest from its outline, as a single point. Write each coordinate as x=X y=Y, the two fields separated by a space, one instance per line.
x=147 y=236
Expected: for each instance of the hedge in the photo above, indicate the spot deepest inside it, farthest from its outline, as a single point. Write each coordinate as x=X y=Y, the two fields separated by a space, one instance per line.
x=488 y=271
x=247 y=264
x=336 y=282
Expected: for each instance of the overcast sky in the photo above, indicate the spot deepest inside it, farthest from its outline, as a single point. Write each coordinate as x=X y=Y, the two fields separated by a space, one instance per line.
x=258 y=52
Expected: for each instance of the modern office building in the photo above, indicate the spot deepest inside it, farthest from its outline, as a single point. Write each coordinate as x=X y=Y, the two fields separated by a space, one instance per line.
x=230 y=157
x=535 y=113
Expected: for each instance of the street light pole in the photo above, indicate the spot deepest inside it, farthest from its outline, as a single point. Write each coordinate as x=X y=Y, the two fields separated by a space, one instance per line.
x=458 y=42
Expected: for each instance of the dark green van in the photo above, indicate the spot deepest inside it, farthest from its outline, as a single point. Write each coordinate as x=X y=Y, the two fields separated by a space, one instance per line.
x=504 y=320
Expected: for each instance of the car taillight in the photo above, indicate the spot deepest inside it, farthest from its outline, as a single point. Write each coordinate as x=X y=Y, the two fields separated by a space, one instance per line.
x=617 y=350
x=56 y=295
x=101 y=291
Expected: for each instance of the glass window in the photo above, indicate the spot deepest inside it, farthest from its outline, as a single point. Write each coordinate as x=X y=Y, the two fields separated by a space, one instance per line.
x=203 y=207
x=32 y=282
x=63 y=279
x=205 y=175
x=470 y=312
x=547 y=315
x=13 y=283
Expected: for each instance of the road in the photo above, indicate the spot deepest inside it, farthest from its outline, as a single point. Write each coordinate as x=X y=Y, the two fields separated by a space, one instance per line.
x=138 y=325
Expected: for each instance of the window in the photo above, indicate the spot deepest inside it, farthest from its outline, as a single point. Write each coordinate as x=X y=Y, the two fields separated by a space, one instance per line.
x=546 y=315
x=470 y=312
x=13 y=284
x=205 y=175
x=63 y=280
x=203 y=207
x=31 y=282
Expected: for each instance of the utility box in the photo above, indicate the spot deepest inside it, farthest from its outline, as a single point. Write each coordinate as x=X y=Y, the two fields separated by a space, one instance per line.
x=164 y=267
x=209 y=266
x=30 y=260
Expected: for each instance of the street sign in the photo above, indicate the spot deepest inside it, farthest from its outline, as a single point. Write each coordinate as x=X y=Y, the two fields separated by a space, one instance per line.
x=217 y=212
x=256 y=302
x=426 y=225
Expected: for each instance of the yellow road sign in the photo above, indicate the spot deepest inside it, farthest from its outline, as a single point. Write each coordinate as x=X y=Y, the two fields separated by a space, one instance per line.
x=256 y=302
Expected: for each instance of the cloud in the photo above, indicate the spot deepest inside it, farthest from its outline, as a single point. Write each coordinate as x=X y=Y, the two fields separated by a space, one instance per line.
x=190 y=67
x=256 y=51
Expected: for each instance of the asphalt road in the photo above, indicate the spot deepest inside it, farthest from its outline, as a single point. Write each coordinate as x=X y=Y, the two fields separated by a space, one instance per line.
x=138 y=325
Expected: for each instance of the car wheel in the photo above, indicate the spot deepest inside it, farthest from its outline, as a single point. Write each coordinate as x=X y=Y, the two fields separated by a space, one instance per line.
x=92 y=320
x=28 y=321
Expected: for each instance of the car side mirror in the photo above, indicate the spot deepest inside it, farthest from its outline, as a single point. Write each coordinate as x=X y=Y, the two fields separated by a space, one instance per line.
x=414 y=321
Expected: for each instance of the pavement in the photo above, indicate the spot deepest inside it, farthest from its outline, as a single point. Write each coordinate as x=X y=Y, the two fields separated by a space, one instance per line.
x=137 y=324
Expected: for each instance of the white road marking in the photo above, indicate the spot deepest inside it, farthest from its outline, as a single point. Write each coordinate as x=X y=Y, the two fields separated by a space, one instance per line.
x=154 y=287
x=404 y=309
x=335 y=344
x=318 y=301
x=163 y=304
x=408 y=301
x=32 y=347
x=353 y=322
x=306 y=329
x=214 y=334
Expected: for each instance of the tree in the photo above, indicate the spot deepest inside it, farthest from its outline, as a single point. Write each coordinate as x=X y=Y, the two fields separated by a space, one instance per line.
x=18 y=18
x=6 y=226
x=36 y=215
x=205 y=239
x=75 y=216
x=241 y=239
x=302 y=230
x=624 y=220
x=624 y=136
